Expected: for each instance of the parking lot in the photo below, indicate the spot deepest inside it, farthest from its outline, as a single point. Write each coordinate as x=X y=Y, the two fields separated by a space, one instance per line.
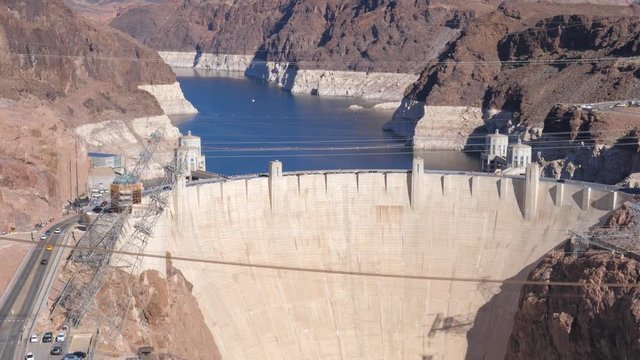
x=42 y=351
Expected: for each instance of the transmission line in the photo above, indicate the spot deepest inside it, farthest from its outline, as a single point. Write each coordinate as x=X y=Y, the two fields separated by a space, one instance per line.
x=344 y=272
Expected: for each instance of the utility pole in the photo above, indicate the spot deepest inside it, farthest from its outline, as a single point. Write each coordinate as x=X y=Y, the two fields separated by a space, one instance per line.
x=75 y=138
x=70 y=179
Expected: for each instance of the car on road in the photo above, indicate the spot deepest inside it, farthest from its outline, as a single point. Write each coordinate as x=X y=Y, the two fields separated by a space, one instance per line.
x=44 y=262
x=71 y=357
x=47 y=337
x=34 y=339
x=80 y=354
x=57 y=230
x=56 y=350
x=60 y=337
x=29 y=356
x=43 y=237
x=49 y=247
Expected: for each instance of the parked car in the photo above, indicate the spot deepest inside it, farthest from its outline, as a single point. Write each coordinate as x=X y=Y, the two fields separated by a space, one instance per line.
x=57 y=230
x=56 y=350
x=34 y=339
x=60 y=337
x=71 y=357
x=47 y=337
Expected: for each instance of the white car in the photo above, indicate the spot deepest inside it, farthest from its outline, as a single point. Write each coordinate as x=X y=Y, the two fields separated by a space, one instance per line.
x=43 y=237
x=60 y=337
x=34 y=339
x=57 y=231
x=29 y=356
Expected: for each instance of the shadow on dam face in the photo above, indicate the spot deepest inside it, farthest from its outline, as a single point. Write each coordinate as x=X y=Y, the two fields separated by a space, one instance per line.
x=491 y=318
x=384 y=252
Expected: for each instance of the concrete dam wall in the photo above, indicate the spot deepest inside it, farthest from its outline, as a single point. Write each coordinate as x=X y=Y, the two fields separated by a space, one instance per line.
x=417 y=228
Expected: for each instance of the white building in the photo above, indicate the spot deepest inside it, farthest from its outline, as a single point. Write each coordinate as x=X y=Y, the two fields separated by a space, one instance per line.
x=190 y=152
x=519 y=155
x=100 y=160
x=495 y=154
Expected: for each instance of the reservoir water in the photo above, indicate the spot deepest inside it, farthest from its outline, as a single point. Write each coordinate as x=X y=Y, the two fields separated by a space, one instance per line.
x=245 y=123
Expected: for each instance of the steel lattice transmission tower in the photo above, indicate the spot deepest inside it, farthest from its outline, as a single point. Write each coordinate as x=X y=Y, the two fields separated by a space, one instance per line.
x=130 y=254
x=85 y=269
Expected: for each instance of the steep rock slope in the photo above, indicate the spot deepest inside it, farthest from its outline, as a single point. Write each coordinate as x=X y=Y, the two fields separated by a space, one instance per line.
x=322 y=47
x=573 y=323
x=583 y=144
x=59 y=71
x=511 y=67
x=388 y=36
x=163 y=314
x=591 y=322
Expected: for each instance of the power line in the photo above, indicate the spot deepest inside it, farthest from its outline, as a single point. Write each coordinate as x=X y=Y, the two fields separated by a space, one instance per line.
x=342 y=272
x=534 y=148
x=534 y=28
x=471 y=62
x=546 y=138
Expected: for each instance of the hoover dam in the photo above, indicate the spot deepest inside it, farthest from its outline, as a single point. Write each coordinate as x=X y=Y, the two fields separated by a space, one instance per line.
x=368 y=264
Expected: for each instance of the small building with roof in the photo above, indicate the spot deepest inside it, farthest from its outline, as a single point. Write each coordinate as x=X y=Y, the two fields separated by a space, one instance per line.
x=102 y=160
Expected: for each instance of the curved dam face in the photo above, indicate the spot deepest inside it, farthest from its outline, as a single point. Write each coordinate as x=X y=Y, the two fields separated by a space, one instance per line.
x=419 y=229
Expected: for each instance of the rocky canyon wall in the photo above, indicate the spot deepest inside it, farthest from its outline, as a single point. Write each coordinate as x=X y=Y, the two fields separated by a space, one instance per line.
x=60 y=71
x=593 y=322
x=328 y=47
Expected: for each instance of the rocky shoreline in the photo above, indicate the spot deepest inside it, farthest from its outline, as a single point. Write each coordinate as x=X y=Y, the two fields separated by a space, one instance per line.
x=366 y=85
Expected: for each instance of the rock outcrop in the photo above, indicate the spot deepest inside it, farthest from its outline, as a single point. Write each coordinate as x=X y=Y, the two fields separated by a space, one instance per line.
x=594 y=321
x=560 y=322
x=584 y=144
x=379 y=86
x=164 y=315
x=207 y=61
x=324 y=47
x=60 y=71
x=170 y=98
x=502 y=60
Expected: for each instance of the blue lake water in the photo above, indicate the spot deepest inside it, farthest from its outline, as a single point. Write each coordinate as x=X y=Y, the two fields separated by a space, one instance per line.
x=245 y=123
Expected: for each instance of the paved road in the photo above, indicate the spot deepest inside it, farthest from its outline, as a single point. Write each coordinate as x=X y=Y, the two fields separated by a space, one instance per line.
x=18 y=307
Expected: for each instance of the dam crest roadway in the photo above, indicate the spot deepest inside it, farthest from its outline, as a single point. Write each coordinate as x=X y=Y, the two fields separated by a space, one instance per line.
x=414 y=223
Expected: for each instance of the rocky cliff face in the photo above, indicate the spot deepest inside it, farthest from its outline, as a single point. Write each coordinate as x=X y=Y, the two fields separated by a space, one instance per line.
x=59 y=71
x=163 y=313
x=584 y=144
x=590 y=322
x=356 y=35
x=516 y=63
x=573 y=323
x=309 y=46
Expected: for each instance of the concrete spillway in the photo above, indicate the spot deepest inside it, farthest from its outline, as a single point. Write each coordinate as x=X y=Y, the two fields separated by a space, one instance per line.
x=461 y=226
